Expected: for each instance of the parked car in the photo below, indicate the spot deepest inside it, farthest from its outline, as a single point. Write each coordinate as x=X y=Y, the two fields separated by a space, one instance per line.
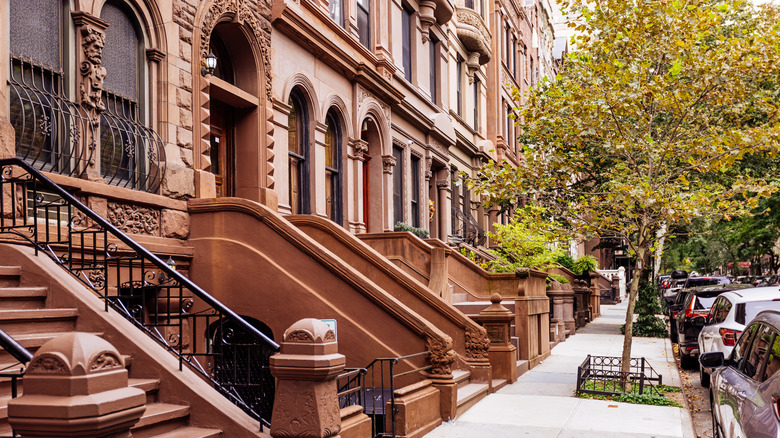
x=745 y=387
x=695 y=303
x=727 y=318
x=671 y=292
x=705 y=281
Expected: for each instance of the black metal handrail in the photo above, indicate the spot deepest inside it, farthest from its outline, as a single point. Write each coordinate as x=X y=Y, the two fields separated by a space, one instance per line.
x=206 y=335
x=372 y=387
x=23 y=355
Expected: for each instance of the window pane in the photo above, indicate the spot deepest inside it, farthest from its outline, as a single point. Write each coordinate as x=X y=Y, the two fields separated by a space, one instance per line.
x=758 y=353
x=120 y=56
x=415 y=210
x=328 y=143
x=36 y=35
x=398 y=185
x=433 y=72
x=335 y=10
x=739 y=351
x=773 y=361
x=329 y=193
x=292 y=129
x=363 y=23
x=406 y=36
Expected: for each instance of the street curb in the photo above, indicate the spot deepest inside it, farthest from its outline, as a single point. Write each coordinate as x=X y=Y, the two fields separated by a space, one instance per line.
x=691 y=429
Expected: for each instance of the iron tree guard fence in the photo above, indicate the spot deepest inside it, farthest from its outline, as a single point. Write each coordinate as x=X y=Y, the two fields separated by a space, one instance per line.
x=203 y=333
x=601 y=375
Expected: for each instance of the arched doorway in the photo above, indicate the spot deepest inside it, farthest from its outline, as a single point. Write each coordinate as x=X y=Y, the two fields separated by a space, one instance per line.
x=241 y=363
x=373 y=187
x=233 y=109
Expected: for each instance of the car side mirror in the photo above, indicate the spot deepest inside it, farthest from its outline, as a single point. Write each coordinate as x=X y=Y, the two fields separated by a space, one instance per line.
x=698 y=321
x=713 y=359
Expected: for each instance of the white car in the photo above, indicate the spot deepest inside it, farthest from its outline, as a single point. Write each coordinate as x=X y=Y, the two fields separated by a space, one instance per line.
x=729 y=314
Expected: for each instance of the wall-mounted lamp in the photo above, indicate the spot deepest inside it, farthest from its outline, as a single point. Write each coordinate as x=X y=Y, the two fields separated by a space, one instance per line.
x=211 y=64
x=164 y=278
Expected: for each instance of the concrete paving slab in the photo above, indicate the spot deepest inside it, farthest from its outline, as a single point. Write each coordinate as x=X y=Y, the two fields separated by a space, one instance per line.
x=542 y=403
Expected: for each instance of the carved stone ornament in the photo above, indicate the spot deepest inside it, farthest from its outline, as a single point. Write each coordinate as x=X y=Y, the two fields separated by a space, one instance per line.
x=300 y=336
x=245 y=13
x=442 y=357
x=298 y=412
x=134 y=219
x=92 y=72
x=359 y=147
x=365 y=96
x=443 y=183
x=477 y=344
x=388 y=162
x=105 y=361
x=47 y=364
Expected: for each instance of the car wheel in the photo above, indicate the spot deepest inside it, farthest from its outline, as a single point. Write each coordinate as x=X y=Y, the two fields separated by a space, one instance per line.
x=716 y=433
x=687 y=362
x=704 y=378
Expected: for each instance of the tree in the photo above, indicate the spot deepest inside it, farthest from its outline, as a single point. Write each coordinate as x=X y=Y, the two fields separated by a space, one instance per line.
x=646 y=121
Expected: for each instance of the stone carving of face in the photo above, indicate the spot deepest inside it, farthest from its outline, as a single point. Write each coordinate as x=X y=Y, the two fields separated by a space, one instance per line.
x=93 y=47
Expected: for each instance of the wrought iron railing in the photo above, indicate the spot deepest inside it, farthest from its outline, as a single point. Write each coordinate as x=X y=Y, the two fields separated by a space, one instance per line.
x=206 y=336
x=131 y=155
x=16 y=370
x=602 y=375
x=52 y=133
x=465 y=227
x=373 y=387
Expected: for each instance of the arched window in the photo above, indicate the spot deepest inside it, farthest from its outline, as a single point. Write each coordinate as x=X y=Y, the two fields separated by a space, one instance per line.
x=130 y=153
x=333 y=168
x=298 y=154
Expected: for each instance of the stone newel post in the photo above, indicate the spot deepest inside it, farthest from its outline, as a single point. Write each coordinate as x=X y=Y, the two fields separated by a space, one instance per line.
x=76 y=386
x=503 y=355
x=306 y=403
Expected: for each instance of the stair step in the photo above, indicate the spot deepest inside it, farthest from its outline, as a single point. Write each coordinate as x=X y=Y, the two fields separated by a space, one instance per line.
x=498 y=384
x=461 y=377
x=469 y=395
x=22 y=297
x=9 y=275
x=522 y=367
x=160 y=418
x=149 y=386
x=17 y=322
x=191 y=432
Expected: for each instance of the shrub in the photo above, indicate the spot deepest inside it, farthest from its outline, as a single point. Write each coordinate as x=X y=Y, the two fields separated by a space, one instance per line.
x=559 y=278
x=585 y=263
x=420 y=232
x=525 y=243
x=566 y=261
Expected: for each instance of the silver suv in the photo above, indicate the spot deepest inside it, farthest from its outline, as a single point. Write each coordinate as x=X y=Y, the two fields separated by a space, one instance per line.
x=745 y=387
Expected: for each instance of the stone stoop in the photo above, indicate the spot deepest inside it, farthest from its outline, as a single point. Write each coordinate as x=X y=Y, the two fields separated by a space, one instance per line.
x=25 y=316
x=469 y=393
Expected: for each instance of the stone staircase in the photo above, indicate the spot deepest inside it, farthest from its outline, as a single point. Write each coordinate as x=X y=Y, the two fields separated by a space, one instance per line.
x=469 y=393
x=472 y=308
x=25 y=315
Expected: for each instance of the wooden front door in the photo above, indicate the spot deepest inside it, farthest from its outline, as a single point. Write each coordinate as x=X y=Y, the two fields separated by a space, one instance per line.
x=366 y=189
x=222 y=149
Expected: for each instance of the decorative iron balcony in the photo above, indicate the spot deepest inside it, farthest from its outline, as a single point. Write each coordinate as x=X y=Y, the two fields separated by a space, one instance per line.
x=53 y=134
x=56 y=135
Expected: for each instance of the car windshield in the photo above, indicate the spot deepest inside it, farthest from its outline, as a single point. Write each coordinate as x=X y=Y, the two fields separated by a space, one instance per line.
x=747 y=311
x=704 y=302
x=697 y=282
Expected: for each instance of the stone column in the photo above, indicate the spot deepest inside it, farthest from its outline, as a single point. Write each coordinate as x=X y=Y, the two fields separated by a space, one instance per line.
x=502 y=354
x=443 y=186
x=388 y=163
x=76 y=385
x=558 y=293
x=306 y=403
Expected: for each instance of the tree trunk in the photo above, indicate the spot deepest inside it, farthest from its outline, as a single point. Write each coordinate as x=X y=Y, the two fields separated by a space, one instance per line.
x=628 y=335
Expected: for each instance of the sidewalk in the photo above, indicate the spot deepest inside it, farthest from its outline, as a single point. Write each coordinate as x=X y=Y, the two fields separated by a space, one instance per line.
x=542 y=404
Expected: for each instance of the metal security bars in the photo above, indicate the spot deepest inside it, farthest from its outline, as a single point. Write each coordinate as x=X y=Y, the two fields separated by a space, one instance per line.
x=203 y=333
x=373 y=388
x=131 y=155
x=602 y=375
x=52 y=133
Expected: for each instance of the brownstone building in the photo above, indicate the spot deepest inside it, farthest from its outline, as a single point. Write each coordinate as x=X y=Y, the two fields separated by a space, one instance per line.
x=267 y=150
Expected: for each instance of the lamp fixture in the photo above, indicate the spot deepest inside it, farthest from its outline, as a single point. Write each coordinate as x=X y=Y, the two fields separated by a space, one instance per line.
x=211 y=64
x=164 y=278
x=365 y=125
